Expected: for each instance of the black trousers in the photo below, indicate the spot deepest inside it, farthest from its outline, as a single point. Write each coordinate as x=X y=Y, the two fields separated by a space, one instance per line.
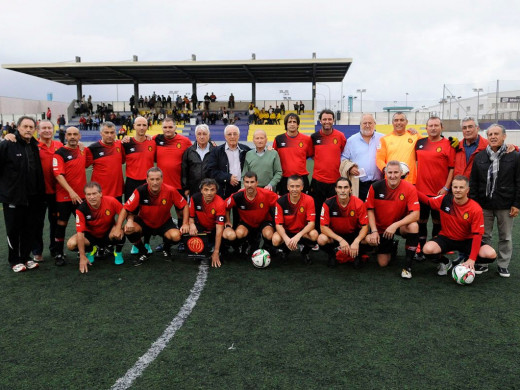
x=48 y=206
x=21 y=229
x=321 y=192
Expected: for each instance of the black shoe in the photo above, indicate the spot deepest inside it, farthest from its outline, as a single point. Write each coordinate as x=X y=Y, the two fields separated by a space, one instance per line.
x=59 y=260
x=395 y=246
x=419 y=257
x=166 y=254
x=358 y=263
x=139 y=261
x=306 y=259
x=331 y=262
x=181 y=248
x=159 y=248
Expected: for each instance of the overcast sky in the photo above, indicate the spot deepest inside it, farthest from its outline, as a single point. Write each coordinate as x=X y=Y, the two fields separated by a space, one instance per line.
x=397 y=47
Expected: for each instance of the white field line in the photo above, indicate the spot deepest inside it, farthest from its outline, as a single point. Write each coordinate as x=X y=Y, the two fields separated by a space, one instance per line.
x=136 y=371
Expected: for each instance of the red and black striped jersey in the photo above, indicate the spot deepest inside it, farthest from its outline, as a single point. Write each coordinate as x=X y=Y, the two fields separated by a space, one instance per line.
x=207 y=215
x=140 y=156
x=327 y=155
x=169 y=157
x=107 y=161
x=100 y=221
x=434 y=160
x=253 y=212
x=344 y=220
x=293 y=152
x=294 y=217
x=71 y=164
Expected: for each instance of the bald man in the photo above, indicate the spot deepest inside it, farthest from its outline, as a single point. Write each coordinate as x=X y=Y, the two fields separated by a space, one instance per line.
x=265 y=163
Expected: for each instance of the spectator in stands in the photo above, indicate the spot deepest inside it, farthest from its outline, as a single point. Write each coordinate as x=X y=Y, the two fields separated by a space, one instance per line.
x=169 y=101
x=141 y=101
x=90 y=107
x=270 y=110
x=82 y=123
x=194 y=101
x=231 y=101
x=225 y=117
x=302 y=107
x=212 y=98
x=76 y=107
x=251 y=114
x=89 y=123
x=297 y=108
x=272 y=118
x=282 y=108
x=187 y=103
x=49 y=113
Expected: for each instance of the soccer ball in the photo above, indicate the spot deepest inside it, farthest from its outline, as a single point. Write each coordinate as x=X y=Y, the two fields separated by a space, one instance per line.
x=261 y=258
x=462 y=274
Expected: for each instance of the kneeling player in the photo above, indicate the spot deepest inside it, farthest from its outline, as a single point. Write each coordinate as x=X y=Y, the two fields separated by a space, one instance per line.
x=148 y=213
x=254 y=207
x=393 y=207
x=95 y=227
x=207 y=213
x=294 y=217
x=344 y=223
x=462 y=222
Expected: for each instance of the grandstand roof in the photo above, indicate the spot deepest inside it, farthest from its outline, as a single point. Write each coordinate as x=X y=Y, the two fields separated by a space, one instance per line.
x=181 y=72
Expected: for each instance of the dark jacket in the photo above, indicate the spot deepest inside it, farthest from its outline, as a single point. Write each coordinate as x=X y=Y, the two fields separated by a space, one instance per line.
x=507 y=187
x=193 y=168
x=218 y=168
x=15 y=171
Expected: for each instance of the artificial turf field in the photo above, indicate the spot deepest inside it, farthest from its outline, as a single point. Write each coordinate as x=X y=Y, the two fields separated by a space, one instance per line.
x=289 y=326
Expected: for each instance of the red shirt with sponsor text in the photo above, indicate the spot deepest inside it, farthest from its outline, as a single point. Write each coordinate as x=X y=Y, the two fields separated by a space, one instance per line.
x=169 y=157
x=97 y=222
x=107 y=161
x=293 y=152
x=327 y=155
x=71 y=164
x=154 y=210
x=207 y=215
x=344 y=220
x=294 y=217
x=46 y=157
x=391 y=205
x=255 y=211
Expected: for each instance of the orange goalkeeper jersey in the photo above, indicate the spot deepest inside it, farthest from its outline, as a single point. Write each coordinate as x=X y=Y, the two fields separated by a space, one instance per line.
x=400 y=148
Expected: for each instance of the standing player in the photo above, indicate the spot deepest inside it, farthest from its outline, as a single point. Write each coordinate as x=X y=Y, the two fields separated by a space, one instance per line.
x=399 y=145
x=95 y=227
x=207 y=214
x=170 y=148
x=392 y=208
x=254 y=207
x=344 y=223
x=69 y=170
x=435 y=162
x=148 y=213
x=328 y=144
x=107 y=158
x=295 y=218
x=293 y=148
x=462 y=227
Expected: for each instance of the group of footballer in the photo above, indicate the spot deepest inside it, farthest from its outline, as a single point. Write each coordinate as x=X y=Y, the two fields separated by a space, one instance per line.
x=280 y=218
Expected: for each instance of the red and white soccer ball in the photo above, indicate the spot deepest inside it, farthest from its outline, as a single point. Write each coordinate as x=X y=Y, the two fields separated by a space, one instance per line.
x=261 y=258
x=462 y=274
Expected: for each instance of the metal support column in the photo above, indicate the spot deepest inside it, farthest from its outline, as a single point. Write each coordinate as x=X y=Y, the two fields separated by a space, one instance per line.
x=253 y=93
x=313 y=93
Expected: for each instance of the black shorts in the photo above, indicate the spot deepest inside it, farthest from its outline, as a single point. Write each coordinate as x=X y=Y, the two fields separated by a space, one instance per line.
x=104 y=241
x=65 y=209
x=303 y=240
x=160 y=231
x=447 y=244
x=386 y=245
x=257 y=230
x=349 y=237
x=426 y=210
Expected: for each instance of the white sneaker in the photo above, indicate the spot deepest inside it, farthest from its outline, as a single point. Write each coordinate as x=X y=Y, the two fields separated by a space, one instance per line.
x=442 y=269
x=406 y=274
x=316 y=248
x=31 y=264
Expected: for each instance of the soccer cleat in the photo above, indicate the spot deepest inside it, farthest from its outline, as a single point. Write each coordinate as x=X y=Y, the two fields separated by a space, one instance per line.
x=406 y=273
x=504 y=272
x=59 y=260
x=461 y=259
x=159 y=248
x=181 y=248
x=148 y=248
x=91 y=256
x=419 y=257
x=166 y=254
x=332 y=261
x=38 y=258
x=481 y=268
x=306 y=259
x=31 y=264
x=135 y=250
x=316 y=248
x=140 y=260
x=18 y=268
x=118 y=258
x=442 y=269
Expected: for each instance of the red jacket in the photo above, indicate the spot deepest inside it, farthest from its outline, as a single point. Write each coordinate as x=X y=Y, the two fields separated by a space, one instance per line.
x=461 y=167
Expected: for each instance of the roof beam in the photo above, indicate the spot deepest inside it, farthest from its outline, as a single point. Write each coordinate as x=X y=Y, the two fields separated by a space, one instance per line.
x=253 y=78
x=119 y=72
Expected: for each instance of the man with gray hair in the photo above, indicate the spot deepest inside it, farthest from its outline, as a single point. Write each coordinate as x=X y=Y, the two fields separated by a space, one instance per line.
x=226 y=162
x=472 y=143
x=195 y=161
x=265 y=163
x=495 y=185
x=107 y=157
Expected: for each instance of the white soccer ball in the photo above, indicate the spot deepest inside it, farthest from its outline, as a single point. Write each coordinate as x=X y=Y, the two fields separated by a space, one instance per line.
x=463 y=275
x=261 y=258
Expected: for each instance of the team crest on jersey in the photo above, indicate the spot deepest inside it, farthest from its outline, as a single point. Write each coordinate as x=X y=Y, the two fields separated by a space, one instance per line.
x=302 y=209
x=335 y=141
x=261 y=205
x=107 y=212
x=401 y=196
x=300 y=144
x=163 y=201
x=465 y=216
x=118 y=150
x=410 y=141
x=439 y=149
x=352 y=213
x=178 y=145
x=213 y=211
x=149 y=148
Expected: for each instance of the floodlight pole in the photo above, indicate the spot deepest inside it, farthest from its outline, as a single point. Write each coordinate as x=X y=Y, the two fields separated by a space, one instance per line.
x=478 y=90
x=360 y=91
